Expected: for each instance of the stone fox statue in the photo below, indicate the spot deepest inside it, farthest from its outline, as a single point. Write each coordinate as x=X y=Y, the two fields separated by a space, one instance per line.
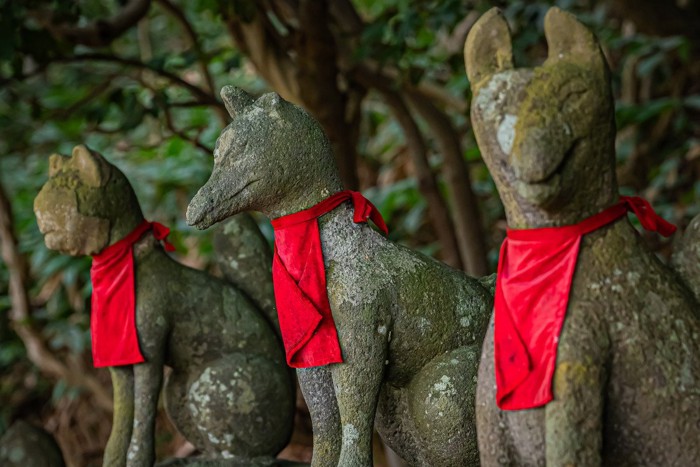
x=410 y=328
x=626 y=380
x=229 y=392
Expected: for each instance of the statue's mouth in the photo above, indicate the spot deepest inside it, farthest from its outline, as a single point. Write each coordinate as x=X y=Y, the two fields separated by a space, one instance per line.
x=204 y=211
x=545 y=187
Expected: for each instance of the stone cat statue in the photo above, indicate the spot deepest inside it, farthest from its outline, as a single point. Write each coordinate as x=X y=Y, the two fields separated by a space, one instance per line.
x=229 y=392
x=410 y=328
x=626 y=381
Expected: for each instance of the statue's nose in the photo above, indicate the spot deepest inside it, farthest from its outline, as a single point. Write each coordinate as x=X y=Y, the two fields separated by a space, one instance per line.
x=539 y=152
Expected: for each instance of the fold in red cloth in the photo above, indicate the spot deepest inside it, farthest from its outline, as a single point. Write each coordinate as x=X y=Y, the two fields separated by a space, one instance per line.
x=113 y=318
x=535 y=270
x=299 y=277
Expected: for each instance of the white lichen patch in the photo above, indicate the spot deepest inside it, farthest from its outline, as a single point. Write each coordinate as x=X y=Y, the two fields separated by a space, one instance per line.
x=490 y=99
x=445 y=387
x=350 y=434
x=465 y=321
x=424 y=325
x=506 y=133
x=633 y=277
x=382 y=330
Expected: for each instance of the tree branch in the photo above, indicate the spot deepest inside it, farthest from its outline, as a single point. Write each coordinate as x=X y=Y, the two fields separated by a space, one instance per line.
x=203 y=96
x=181 y=18
x=317 y=74
x=272 y=63
x=470 y=233
x=20 y=315
x=437 y=208
x=101 y=32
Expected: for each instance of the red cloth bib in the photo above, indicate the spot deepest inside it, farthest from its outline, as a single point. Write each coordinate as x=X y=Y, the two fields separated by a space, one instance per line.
x=535 y=270
x=113 y=318
x=299 y=277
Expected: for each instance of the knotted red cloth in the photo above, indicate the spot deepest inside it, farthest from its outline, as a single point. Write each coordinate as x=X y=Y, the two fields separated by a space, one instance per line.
x=299 y=277
x=535 y=270
x=113 y=317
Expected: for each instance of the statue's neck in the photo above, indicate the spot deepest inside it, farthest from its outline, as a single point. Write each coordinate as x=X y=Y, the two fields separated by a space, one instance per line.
x=521 y=215
x=304 y=200
x=124 y=225
x=539 y=218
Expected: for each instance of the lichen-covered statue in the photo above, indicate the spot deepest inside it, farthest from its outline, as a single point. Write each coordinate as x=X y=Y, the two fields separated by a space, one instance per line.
x=409 y=327
x=229 y=392
x=626 y=372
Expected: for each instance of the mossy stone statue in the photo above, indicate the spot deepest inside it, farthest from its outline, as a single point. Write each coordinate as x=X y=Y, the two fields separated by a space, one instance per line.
x=627 y=377
x=229 y=392
x=409 y=327
x=25 y=445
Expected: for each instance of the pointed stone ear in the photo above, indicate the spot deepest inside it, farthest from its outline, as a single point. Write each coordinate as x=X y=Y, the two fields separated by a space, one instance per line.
x=235 y=99
x=89 y=166
x=488 y=47
x=56 y=162
x=270 y=100
x=571 y=41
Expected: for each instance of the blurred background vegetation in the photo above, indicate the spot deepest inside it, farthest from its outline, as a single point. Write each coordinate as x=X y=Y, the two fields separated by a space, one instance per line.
x=138 y=81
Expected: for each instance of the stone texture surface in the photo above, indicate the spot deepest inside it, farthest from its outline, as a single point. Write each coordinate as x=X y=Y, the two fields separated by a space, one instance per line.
x=627 y=376
x=245 y=259
x=686 y=256
x=196 y=462
x=24 y=445
x=410 y=328
x=229 y=391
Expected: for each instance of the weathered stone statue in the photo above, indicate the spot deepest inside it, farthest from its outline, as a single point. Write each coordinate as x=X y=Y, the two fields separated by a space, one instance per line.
x=626 y=383
x=25 y=445
x=229 y=392
x=410 y=328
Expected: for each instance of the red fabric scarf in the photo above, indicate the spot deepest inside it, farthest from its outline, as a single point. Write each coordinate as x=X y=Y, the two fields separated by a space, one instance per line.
x=113 y=318
x=299 y=276
x=535 y=270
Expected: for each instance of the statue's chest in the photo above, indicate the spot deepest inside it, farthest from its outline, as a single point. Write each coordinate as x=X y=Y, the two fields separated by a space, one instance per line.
x=527 y=429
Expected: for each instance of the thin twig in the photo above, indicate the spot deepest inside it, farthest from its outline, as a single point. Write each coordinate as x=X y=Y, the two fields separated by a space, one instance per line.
x=60 y=114
x=183 y=135
x=181 y=18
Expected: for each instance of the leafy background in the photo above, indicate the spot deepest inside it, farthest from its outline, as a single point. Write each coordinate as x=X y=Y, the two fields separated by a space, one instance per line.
x=138 y=81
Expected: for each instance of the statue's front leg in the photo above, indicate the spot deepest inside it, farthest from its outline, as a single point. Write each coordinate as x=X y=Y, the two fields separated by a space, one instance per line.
x=492 y=431
x=317 y=386
x=148 y=380
x=357 y=383
x=123 y=417
x=574 y=419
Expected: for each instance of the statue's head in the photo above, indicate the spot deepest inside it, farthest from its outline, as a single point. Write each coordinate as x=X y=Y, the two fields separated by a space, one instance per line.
x=546 y=133
x=272 y=151
x=82 y=202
